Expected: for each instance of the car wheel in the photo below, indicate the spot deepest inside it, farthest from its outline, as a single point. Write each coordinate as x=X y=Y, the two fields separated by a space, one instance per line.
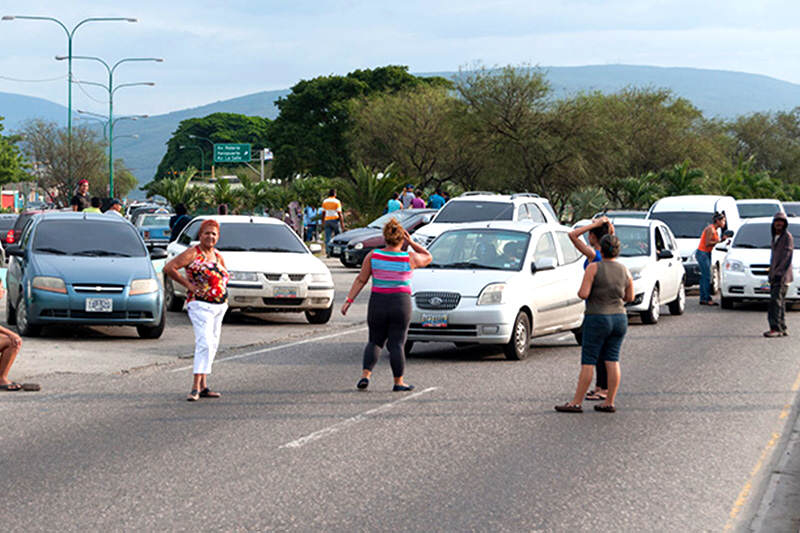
x=407 y=347
x=678 y=305
x=153 y=332
x=172 y=301
x=654 y=311
x=715 y=280
x=343 y=262
x=726 y=303
x=24 y=327
x=11 y=316
x=319 y=316
x=520 y=343
x=578 y=333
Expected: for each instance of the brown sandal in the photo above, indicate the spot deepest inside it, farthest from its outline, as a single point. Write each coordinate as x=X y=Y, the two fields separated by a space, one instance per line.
x=605 y=408
x=567 y=408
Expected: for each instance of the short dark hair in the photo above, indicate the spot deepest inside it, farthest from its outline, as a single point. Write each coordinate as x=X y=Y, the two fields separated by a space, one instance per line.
x=222 y=209
x=95 y=201
x=394 y=196
x=180 y=209
x=438 y=191
x=332 y=192
x=609 y=246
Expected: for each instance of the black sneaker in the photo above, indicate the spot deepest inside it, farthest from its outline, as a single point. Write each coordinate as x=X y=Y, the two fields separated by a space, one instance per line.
x=363 y=383
x=402 y=388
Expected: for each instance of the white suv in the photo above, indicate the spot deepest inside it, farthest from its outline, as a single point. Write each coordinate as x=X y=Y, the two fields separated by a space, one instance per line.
x=487 y=207
x=499 y=283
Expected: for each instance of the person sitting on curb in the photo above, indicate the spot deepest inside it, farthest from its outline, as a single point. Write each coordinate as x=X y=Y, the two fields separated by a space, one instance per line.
x=10 y=345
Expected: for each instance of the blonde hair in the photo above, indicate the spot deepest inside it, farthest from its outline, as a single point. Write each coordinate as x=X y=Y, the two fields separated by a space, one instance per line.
x=393 y=232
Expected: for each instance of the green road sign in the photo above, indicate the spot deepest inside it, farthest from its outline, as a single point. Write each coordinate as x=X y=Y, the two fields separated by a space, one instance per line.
x=231 y=153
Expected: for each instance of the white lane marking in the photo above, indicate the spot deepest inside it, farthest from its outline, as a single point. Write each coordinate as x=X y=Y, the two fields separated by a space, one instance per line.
x=330 y=430
x=279 y=347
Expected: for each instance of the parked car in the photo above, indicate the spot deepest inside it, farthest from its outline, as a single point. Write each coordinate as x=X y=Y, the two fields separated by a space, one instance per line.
x=353 y=245
x=650 y=252
x=19 y=225
x=792 y=209
x=485 y=207
x=755 y=208
x=83 y=269
x=7 y=228
x=687 y=217
x=271 y=268
x=139 y=212
x=621 y=213
x=498 y=283
x=746 y=265
x=154 y=229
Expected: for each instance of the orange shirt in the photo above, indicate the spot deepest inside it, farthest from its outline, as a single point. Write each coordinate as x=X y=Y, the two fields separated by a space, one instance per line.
x=332 y=207
x=704 y=245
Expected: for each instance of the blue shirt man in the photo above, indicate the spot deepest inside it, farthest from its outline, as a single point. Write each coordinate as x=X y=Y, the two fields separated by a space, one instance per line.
x=436 y=200
x=393 y=205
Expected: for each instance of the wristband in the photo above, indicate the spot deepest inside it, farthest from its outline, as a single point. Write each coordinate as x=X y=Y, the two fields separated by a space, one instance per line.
x=350 y=300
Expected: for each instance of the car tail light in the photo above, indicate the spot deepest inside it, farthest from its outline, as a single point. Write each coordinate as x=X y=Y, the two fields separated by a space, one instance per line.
x=10 y=237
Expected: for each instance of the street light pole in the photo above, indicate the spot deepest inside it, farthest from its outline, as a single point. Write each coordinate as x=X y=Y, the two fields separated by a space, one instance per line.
x=70 y=35
x=212 y=150
x=111 y=90
x=202 y=156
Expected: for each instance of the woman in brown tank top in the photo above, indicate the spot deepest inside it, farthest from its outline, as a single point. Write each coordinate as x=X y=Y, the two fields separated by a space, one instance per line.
x=606 y=287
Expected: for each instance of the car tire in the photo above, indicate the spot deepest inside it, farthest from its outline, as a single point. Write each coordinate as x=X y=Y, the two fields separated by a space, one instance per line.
x=678 y=305
x=726 y=303
x=578 y=333
x=11 y=316
x=407 y=347
x=319 y=316
x=654 y=311
x=519 y=346
x=172 y=301
x=343 y=262
x=153 y=332
x=24 y=327
x=716 y=282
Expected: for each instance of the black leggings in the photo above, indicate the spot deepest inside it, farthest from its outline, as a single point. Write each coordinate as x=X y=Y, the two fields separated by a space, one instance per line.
x=388 y=317
x=602 y=374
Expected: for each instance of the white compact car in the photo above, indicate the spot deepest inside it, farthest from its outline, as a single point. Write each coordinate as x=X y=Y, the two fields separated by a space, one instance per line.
x=756 y=208
x=650 y=252
x=271 y=269
x=486 y=207
x=746 y=265
x=498 y=283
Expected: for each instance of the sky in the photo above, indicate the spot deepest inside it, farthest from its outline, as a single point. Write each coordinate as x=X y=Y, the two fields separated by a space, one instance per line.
x=215 y=50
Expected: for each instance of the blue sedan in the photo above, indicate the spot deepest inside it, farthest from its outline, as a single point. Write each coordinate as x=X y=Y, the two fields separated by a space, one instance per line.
x=83 y=269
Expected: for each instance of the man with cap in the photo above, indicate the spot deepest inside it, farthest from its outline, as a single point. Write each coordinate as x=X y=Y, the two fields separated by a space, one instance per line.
x=407 y=197
x=115 y=207
x=81 y=200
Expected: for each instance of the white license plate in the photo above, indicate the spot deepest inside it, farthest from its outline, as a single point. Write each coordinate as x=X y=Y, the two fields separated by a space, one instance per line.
x=98 y=305
x=284 y=292
x=337 y=250
x=434 y=321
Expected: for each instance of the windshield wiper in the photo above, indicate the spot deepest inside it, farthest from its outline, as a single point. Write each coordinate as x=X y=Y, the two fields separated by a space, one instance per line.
x=275 y=249
x=469 y=264
x=101 y=253
x=50 y=251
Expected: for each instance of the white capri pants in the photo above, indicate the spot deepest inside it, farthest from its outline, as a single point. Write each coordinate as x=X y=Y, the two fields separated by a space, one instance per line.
x=207 y=324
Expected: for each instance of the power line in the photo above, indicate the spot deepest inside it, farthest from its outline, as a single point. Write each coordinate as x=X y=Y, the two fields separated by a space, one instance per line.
x=33 y=81
x=89 y=96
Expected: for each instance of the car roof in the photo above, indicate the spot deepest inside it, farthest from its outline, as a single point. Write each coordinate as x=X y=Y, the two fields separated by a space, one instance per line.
x=70 y=215
x=758 y=220
x=641 y=222
x=222 y=219
x=689 y=202
x=522 y=225
x=759 y=201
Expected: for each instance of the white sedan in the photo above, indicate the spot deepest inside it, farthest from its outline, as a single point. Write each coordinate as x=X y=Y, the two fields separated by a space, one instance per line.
x=498 y=283
x=271 y=268
x=746 y=264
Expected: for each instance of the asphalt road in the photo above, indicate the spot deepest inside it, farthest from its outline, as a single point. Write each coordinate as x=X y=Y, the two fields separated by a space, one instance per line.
x=293 y=446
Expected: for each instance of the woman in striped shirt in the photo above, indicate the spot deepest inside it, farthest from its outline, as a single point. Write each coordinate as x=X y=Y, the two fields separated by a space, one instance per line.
x=389 y=311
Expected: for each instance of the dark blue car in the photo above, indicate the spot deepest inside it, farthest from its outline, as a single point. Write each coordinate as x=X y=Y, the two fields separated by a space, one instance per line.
x=83 y=269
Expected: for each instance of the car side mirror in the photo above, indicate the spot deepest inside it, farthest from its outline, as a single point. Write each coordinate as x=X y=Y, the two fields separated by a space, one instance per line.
x=426 y=219
x=727 y=234
x=315 y=247
x=16 y=251
x=665 y=254
x=158 y=253
x=547 y=263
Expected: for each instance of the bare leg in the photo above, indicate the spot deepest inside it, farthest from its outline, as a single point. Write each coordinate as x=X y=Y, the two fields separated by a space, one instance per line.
x=366 y=373
x=614 y=377
x=584 y=381
x=197 y=380
x=8 y=353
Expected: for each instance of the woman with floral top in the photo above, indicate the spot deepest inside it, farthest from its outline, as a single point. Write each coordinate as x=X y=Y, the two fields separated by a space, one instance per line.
x=206 y=283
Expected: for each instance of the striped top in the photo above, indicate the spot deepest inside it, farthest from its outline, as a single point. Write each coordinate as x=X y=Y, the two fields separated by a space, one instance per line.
x=331 y=207
x=391 y=272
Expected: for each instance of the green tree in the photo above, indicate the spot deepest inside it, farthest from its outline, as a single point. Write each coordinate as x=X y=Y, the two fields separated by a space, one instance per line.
x=223 y=193
x=366 y=193
x=12 y=162
x=311 y=190
x=636 y=192
x=682 y=179
x=178 y=190
x=309 y=133
x=771 y=141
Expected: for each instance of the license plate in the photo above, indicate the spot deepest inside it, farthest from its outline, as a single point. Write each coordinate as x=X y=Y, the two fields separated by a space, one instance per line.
x=284 y=292
x=98 y=305
x=337 y=250
x=434 y=321
x=764 y=286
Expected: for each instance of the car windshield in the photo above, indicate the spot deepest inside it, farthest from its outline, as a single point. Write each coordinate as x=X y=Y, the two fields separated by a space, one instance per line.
x=792 y=209
x=684 y=224
x=766 y=209
x=400 y=215
x=624 y=214
x=634 y=240
x=474 y=211
x=155 y=220
x=252 y=237
x=480 y=249
x=7 y=222
x=88 y=237
x=759 y=236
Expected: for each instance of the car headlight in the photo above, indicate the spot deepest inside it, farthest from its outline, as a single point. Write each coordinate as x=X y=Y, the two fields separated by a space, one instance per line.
x=636 y=274
x=143 y=286
x=47 y=283
x=358 y=246
x=324 y=277
x=243 y=276
x=492 y=294
x=733 y=265
x=419 y=239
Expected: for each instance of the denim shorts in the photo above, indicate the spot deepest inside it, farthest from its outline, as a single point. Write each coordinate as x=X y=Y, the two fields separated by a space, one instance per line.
x=602 y=337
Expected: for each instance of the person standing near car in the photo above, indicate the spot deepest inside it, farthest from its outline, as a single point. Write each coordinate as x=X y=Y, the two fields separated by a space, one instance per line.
x=115 y=208
x=407 y=197
x=393 y=204
x=596 y=230
x=436 y=200
x=607 y=285
x=95 y=204
x=708 y=240
x=780 y=275
x=81 y=200
x=206 y=283
x=178 y=221
x=389 y=311
x=418 y=202
x=333 y=217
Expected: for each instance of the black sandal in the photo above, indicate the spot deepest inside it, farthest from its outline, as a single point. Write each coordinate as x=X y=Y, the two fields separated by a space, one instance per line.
x=208 y=393
x=605 y=408
x=567 y=408
x=193 y=396
x=363 y=383
x=595 y=396
x=11 y=387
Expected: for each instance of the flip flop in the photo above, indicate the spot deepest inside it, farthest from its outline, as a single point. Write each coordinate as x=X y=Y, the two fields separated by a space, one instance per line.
x=193 y=396
x=567 y=408
x=11 y=387
x=31 y=387
x=605 y=408
x=208 y=393
x=595 y=396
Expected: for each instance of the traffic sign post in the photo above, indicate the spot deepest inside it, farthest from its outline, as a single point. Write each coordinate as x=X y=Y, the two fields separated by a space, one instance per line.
x=232 y=153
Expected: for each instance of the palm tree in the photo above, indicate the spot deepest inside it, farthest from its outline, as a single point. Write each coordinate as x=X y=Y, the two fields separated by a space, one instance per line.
x=365 y=194
x=681 y=180
x=637 y=192
x=178 y=190
x=223 y=193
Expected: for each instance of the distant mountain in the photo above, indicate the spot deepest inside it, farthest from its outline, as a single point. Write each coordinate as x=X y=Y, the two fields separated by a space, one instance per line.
x=717 y=93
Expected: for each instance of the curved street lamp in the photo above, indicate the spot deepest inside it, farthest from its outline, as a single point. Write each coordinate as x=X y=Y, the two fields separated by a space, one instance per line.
x=202 y=156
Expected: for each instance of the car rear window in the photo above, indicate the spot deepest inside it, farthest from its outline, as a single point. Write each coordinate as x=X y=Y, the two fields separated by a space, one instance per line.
x=7 y=222
x=684 y=224
x=766 y=209
x=98 y=238
x=155 y=220
x=251 y=237
x=474 y=211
